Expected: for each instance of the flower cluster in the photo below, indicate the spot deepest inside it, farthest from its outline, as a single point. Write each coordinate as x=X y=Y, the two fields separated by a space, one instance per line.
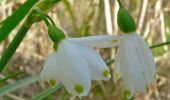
x=75 y=63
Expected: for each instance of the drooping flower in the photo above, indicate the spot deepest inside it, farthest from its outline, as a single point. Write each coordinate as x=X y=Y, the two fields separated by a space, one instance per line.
x=75 y=63
x=134 y=62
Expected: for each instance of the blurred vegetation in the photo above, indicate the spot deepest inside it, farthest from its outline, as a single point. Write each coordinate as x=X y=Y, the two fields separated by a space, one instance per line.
x=84 y=18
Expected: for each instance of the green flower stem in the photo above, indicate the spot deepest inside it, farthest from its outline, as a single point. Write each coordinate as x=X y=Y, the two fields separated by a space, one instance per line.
x=52 y=22
x=42 y=16
x=55 y=34
x=13 y=46
x=160 y=45
x=120 y=4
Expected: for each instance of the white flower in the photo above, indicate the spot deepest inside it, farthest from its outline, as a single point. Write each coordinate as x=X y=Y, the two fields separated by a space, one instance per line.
x=134 y=62
x=76 y=63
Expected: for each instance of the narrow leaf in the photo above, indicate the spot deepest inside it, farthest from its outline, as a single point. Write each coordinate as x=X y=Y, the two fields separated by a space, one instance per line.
x=47 y=92
x=19 y=84
x=13 y=46
x=12 y=21
x=10 y=76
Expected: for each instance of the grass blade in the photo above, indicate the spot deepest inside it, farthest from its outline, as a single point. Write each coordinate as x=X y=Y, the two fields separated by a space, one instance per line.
x=21 y=83
x=47 y=92
x=15 y=18
x=10 y=76
x=13 y=46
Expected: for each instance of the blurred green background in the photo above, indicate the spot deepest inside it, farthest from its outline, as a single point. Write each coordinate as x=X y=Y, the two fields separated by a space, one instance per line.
x=85 y=18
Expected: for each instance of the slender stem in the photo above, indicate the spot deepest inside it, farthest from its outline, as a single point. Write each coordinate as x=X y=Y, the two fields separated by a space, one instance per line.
x=120 y=4
x=52 y=22
x=13 y=46
x=159 y=45
x=10 y=76
x=38 y=10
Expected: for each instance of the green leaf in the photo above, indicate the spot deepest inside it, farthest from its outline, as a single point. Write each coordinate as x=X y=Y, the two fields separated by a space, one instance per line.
x=13 y=46
x=1 y=22
x=12 y=21
x=47 y=92
x=10 y=76
x=19 y=84
x=21 y=33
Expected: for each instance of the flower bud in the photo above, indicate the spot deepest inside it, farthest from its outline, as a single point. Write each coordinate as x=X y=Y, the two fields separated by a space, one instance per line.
x=125 y=21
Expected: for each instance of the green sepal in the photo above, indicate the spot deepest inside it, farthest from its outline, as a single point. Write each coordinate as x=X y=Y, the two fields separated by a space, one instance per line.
x=55 y=34
x=125 y=21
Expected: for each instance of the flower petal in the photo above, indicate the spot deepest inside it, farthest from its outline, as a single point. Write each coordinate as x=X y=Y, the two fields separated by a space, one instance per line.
x=130 y=67
x=146 y=58
x=73 y=71
x=50 y=70
x=98 y=68
x=102 y=41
